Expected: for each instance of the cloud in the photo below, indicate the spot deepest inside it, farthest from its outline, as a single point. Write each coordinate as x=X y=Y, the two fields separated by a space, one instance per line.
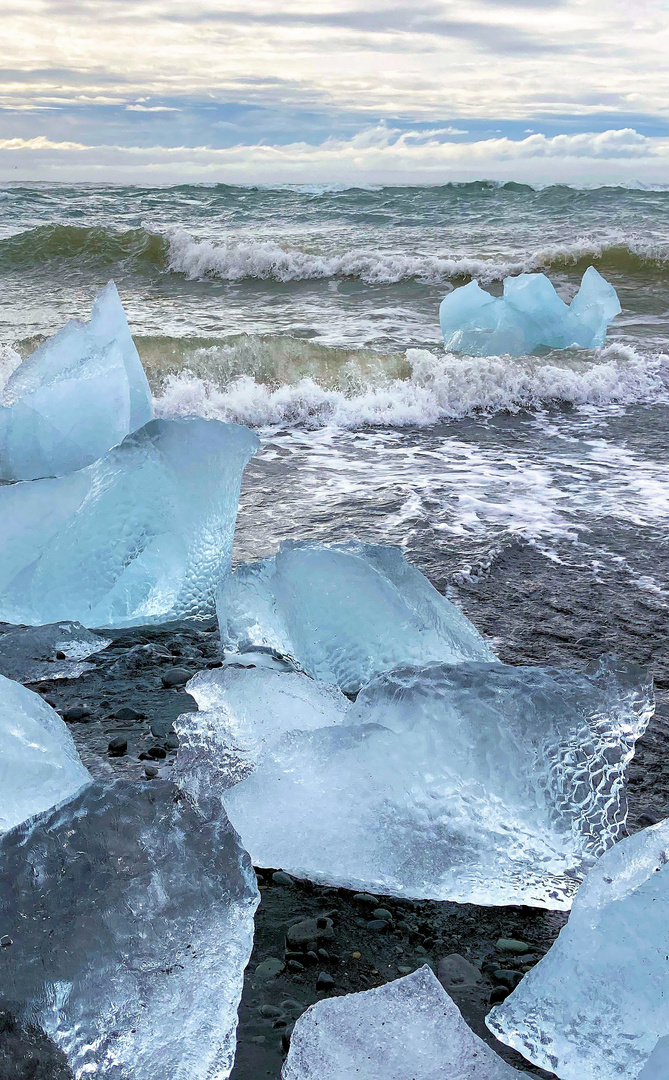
x=376 y=155
x=151 y=108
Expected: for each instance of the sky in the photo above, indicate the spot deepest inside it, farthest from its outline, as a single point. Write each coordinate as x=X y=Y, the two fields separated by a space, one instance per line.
x=365 y=91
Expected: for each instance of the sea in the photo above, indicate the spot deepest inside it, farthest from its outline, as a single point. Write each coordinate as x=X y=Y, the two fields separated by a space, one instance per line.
x=534 y=491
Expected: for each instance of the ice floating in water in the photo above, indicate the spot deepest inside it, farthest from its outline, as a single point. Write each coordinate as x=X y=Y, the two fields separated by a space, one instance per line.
x=143 y=535
x=39 y=763
x=480 y=783
x=529 y=316
x=595 y=1006
x=131 y=917
x=33 y=653
x=344 y=612
x=407 y=1028
x=76 y=396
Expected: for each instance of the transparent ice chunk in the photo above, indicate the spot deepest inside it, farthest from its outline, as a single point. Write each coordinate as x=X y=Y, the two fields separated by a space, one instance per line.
x=409 y=1028
x=657 y=1066
x=131 y=920
x=595 y=1006
x=77 y=395
x=33 y=653
x=142 y=535
x=344 y=612
x=480 y=783
x=529 y=316
x=39 y=763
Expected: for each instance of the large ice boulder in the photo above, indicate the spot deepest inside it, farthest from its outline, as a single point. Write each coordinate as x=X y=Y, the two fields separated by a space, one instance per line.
x=55 y=651
x=344 y=612
x=77 y=395
x=409 y=1028
x=480 y=783
x=131 y=921
x=39 y=763
x=142 y=535
x=595 y=1006
x=530 y=315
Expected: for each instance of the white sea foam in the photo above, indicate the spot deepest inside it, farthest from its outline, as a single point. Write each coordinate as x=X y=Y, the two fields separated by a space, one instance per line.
x=441 y=386
x=239 y=260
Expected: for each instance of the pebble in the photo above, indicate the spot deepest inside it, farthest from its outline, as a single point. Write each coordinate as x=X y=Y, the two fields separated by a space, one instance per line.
x=60 y=655
x=285 y=1038
x=118 y=746
x=382 y=913
x=507 y=977
x=378 y=926
x=295 y=965
x=311 y=958
x=176 y=676
x=356 y=955
x=281 y=878
x=512 y=945
x=258 y=1039
x=151 y=771
x=172 y=741
x=405 y=969
x=5 y=942
x=301 y=934
x=157 y=753
x=76 y=713
x=500 y=993
x=290 y=1005
x=324 y=981
x=455 y=971
x=366 y=898
x=270 y=1011
x=130 y=716
x=269 y=969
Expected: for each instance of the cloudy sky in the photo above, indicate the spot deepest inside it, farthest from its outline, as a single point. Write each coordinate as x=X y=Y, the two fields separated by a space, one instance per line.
x=361 y=91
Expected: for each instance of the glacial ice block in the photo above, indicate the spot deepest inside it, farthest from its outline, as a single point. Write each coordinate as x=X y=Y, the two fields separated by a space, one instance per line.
x=479 y=783
x=595 y=1006
x=409 y=1028
x=131 y=920
x=142 y=535
x=76 y=396
x=530 y=315
x=344 y=612
x=39 y=763
x=33 y=653
x=657 y=1066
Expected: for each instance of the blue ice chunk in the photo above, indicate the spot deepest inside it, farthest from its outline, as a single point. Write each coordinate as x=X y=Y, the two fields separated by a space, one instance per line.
x=344 y=612
x=76 y=396
x=529 y=316
x=39 y=763
x=657 y=1066
x=142 y=535
x=595 y=1006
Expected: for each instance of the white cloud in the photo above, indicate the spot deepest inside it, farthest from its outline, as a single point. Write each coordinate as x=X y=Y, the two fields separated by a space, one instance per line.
x=151 y=108
x=378 y=154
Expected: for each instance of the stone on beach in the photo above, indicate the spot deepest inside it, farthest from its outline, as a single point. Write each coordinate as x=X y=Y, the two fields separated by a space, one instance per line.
x=39 y=763
x=131 y=917
x=595 y=1006
x=407 y=1028
x=76 y=396
x=143 y=535
x=344 y=612
x=530 y=315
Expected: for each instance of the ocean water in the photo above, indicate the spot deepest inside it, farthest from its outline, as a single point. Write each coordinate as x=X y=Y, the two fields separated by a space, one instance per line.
x=312 y=314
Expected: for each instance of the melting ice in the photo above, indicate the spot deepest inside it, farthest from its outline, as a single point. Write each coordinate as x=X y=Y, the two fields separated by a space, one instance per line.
x=529 y=315
x=55 y=651
x=77 y=395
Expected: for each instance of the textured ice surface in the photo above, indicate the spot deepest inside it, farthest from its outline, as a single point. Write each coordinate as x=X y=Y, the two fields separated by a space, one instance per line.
x=77 y=395
x=131 y=917
x=529 y=316
x=344 y=612
x=409 y=1029
x=143 y=535
x=594 y=1007
x=39 y=764
x=657 y=1066
x=32 y=653
x=480 y=783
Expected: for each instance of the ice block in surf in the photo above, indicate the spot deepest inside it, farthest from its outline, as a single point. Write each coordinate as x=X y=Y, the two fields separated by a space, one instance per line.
x=529 y=316
x=76 y=396
x=142 y=535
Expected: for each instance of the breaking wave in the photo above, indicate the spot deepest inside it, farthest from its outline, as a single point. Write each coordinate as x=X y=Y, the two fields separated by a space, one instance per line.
x=236 y=260
x=438 y=387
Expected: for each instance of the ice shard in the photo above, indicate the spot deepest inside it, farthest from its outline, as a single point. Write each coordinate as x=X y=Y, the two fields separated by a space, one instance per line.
x=39 y=763
x=33 y=653
x=76 y=396
x=142 y=535
x=529 y=316
x=409 y=1028
x=597 y=1003
x=480 y=783
x=344 y=612
x=130 y=916
x=657 y=1066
